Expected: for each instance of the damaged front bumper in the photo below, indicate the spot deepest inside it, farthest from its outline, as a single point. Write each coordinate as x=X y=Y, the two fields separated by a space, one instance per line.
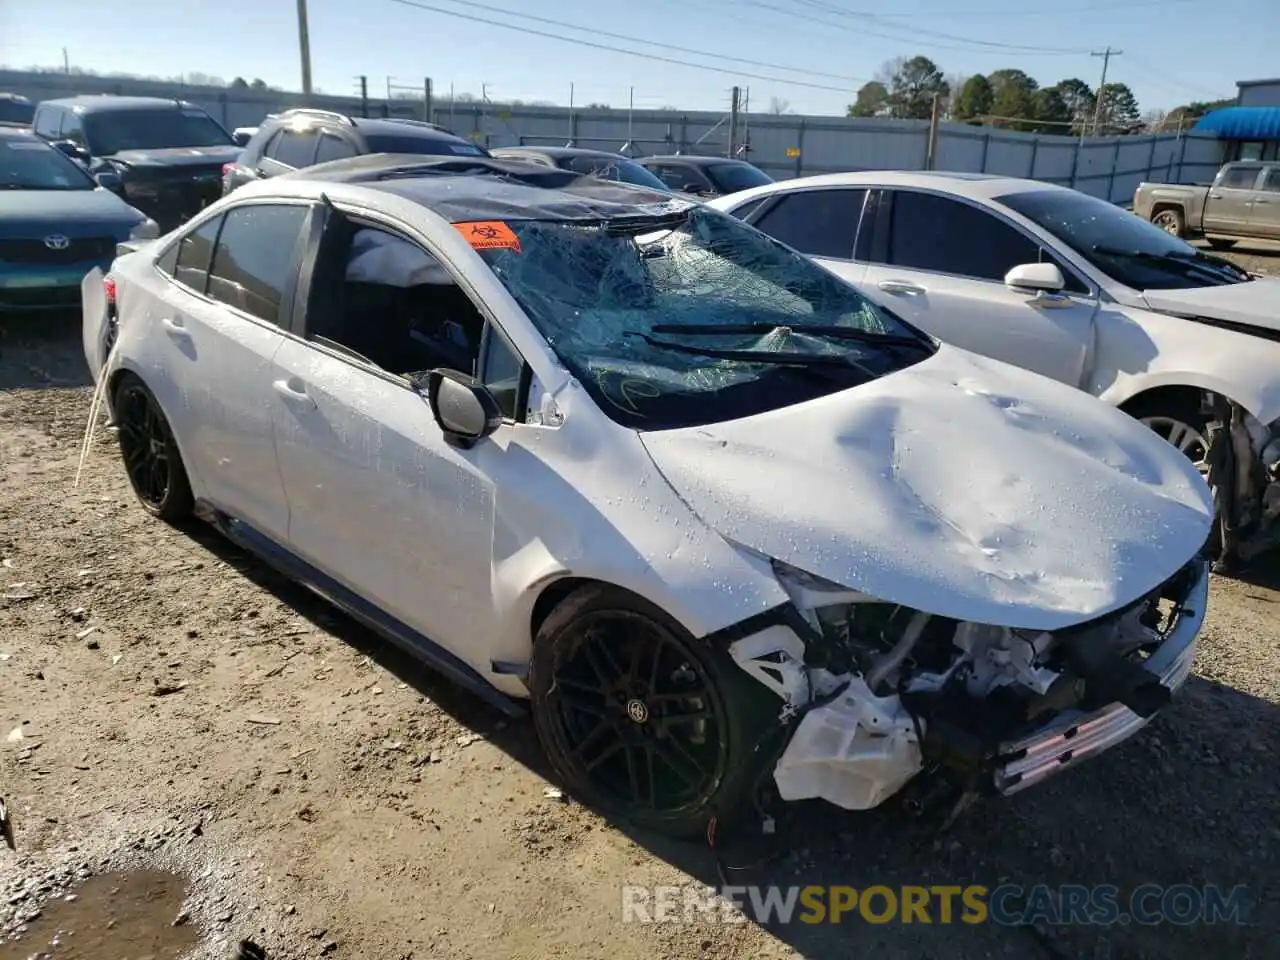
x=1243 y=473
x=1073 y=737
x=857 y=739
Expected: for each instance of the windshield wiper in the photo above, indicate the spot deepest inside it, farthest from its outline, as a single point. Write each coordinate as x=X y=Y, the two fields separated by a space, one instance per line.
x=1194 y=259
x=833 y=331
x=790 y=358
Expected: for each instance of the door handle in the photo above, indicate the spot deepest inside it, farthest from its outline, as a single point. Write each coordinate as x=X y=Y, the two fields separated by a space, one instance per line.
x=293 y=391
x=901 y=286
x=1215 y=196
x=175 y=328
x=1262 y=201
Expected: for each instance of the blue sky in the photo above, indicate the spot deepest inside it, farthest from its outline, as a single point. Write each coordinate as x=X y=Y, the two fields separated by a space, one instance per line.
x=1174 y=50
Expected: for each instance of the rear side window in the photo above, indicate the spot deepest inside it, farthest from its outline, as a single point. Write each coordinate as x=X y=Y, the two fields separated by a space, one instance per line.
x=431 y=146
x=333 y=148
x=1271 y=180
x=929 y=232
x=820 y=223
x=47 y=121
x=256 y=258
x=1239 y=178
x=294 y=148
x=191 y=267
x=744 y=211
x=674 y=177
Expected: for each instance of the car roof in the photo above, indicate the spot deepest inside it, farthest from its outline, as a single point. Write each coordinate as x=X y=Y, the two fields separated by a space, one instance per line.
x=985 y=186
x=398 y=126
x=559 y=152
x=463 y=189
x=94 y=103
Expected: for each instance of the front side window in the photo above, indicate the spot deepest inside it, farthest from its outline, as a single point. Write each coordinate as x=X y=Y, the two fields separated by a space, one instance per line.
x=935 y=233
x=694 y=317
x=674 y=177
x=31 y=164
x=112 y=131
x=1239 y=178
x=48 y=123
x=732 y=177
x=1271 y=180
x=1125 y=247
x=256 y=257
x=820 y=223
x=195 y=250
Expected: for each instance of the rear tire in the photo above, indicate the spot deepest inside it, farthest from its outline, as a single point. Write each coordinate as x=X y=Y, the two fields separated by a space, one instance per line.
x=1171 y=221
x=1221 y=243
x=643 y=721
x=150 y=452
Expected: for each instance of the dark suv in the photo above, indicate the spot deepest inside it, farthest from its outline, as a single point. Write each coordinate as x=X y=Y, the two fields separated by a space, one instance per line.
x=166 y=154
x=302 y=137
x=15 y=110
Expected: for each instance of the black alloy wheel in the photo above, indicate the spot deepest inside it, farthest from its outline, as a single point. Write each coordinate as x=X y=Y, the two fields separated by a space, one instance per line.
x=642 y=719
x=150 y=453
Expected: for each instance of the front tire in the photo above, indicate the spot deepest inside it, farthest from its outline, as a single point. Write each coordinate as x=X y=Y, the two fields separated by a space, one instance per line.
x=643 y=721
x=1171 y=221
x=1179 y=420
x=150 y=452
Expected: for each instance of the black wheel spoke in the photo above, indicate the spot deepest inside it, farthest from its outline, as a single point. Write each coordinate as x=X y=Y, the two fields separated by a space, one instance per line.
x=576 y=701
x=592 y=740
x=678 y=719
x=677 y=759
x=633 y=772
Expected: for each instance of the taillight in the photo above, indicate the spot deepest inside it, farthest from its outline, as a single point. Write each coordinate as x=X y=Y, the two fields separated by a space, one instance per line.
x=226 y=170
x=109 y=288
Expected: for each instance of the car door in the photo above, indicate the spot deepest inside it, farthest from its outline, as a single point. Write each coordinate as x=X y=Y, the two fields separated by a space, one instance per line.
x=1226 y=209
x=1264 y=214
x=233 y=281
x=820 y=223
x=940 y=262
x=378 y=500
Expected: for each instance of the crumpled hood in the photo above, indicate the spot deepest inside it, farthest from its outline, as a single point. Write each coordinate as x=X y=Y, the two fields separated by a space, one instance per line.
x=960 y=486
x=32 y=214
x=1254 y=302
x=178 y=156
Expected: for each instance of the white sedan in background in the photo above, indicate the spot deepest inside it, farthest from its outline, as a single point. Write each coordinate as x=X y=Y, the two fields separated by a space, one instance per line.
x=715 y=515
x=1069 y=286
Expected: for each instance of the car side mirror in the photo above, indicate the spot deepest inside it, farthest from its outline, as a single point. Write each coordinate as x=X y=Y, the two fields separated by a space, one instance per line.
x=464 y=409
x=108 y=180
x=696 y=189
x=1035 y=276
x=241 y=138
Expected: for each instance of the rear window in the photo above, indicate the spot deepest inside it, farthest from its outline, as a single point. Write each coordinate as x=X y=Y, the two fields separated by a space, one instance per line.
x=16 y=111
x=111 y=131
x=431 y=146
x=732 y=177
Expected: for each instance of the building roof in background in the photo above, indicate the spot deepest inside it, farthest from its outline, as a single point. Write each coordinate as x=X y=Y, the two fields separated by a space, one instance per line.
x=1242 y=123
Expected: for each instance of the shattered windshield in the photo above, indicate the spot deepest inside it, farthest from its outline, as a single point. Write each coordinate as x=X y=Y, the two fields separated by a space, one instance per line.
x=1123 y=246
x=695 y=318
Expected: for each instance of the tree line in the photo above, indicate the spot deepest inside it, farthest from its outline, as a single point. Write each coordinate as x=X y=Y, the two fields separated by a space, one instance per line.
x=905 y=88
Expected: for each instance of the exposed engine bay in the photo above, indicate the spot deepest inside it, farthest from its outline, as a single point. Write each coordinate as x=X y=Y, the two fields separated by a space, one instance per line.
x=878 y=693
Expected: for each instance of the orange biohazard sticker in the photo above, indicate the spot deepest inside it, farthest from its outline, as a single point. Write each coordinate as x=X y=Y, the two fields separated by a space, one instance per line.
x=489 y=235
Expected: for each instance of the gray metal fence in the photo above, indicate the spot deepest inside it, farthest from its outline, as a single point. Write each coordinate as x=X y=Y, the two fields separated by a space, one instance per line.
x=784 y=146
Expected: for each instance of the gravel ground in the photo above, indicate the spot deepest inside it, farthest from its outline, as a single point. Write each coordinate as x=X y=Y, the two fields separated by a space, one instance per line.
x=190 y=724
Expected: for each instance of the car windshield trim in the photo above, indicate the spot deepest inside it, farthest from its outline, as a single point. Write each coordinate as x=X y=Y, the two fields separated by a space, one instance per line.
x=1122 y=246
x=697 y=318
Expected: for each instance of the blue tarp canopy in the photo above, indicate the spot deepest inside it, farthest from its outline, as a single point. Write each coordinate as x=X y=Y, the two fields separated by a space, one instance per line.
x=1242 y=123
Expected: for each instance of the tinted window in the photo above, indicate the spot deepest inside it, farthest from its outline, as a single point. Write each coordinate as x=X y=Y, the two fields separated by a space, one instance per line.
x=47 y=122
x=333 y=148
x=620 y=169
x=15 y=110
x=1271 y=179
x=821 y=223
x=111 y=131
x=255 y=259
x=675 y=177
x=1239 y=178
x=732 y=177
x=294 y=148
x=751 y=206
x=30 y=164
x=431 y=146
x=194 y=253
x=929 y=232
x=1124 y=247
x=72 y=129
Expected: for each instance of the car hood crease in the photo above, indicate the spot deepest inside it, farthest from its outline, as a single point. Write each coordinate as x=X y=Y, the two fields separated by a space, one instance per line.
x=1253 y=303
x=960 y=486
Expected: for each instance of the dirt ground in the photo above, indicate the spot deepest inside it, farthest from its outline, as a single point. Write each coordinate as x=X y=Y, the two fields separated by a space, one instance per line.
x=222 y=756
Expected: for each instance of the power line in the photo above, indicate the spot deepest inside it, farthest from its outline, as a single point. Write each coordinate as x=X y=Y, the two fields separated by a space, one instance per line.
x=653 y=43
x=1055 y=12
x=967 y=43
x=613 y=49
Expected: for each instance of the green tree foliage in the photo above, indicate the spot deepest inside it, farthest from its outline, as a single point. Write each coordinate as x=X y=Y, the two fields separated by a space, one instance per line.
x=1119 y=109
x=872 y=100
x=974 y=99
x=1013 y=97
x=1051 y=111
x=912 y=84
x=1080 y=101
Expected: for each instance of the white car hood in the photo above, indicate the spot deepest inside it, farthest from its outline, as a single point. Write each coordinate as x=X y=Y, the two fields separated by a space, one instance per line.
x=1256 y=302
x=962 y=487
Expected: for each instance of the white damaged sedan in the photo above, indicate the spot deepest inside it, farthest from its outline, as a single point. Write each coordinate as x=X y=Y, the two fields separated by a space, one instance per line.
x=727 y=527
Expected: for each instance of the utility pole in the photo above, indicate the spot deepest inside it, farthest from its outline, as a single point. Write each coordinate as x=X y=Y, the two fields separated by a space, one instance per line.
x=426 y=99
x=931 y=146
x=364 y=95
x=733 y=121
x=1106 y=56
x=304 y=47
x=66 y=62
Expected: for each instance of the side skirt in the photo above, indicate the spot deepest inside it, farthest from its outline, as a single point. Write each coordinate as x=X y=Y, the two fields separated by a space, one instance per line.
x=379 y=621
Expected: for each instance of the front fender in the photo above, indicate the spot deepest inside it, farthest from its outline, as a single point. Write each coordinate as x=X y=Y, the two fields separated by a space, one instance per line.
x=93 y=321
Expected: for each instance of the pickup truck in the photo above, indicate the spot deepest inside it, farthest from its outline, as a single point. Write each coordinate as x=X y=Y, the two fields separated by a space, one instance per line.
x=1243 y=202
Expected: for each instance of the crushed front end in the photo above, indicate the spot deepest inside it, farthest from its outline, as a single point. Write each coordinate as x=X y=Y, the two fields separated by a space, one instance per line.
x=879 y=696
x=1243 y=472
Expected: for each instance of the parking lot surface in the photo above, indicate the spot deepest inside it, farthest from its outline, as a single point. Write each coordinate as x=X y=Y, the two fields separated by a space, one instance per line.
x=175 y=717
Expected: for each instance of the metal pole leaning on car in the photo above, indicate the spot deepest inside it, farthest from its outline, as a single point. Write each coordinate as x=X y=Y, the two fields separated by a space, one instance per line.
x=304 y=47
